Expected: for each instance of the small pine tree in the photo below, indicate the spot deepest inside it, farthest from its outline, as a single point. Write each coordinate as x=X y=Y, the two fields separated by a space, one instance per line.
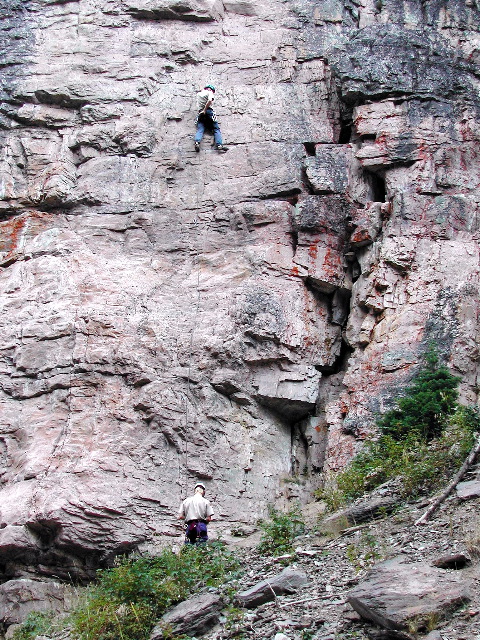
x=423 y=412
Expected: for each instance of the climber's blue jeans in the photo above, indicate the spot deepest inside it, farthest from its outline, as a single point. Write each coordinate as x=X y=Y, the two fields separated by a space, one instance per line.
x=206 y=122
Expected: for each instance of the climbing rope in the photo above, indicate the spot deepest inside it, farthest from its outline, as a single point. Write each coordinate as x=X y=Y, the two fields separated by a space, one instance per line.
x=190 y=355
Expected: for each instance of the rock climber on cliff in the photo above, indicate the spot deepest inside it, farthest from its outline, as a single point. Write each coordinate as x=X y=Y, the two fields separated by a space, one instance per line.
x=197 y=512
x=206 y=118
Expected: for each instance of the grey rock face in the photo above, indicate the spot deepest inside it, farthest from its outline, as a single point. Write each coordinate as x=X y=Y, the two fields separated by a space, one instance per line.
x=20 y=597
x=194 y=616
x=169 y=315
x=386 y=60
x=396 y=593
x=288 y=581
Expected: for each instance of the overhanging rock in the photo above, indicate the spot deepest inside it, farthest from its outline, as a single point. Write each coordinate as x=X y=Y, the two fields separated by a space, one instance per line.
x=189 y=10
x=292 y=393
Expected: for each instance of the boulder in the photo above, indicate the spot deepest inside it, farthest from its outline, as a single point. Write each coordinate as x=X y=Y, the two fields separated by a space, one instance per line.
x=469 y=489
x=398 y=595
x=192 y=617
x=364 y=511
x=288 y=581
x=20 y=597
x=452 y=561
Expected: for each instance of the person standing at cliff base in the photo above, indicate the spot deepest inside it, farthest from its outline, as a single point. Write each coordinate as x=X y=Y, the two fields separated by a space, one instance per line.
x=197 y=513
x=206 y=118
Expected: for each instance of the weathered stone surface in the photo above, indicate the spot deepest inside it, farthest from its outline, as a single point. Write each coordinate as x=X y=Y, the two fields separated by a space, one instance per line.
x=398 y=54
x=168 y=315
x=196 y=10
x=396 y=592
x=452 y=561
x=289 y=393
x=468 y=489
x=194 y=616
x=20 y=597
x=288 y=581
x=327 y=171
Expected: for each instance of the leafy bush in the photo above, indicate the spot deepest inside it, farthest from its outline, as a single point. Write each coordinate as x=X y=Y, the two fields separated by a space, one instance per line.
x=280 y=530
x=37 y=623
x=365 y=551
x=421 y=442
x=127 y=600
x=419 y=466
x=427 y=404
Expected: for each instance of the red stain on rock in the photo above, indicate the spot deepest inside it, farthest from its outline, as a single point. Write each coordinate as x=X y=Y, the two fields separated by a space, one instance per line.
x=313 y=251
x=332 y=263
x=361 y=236
x=343 y=408
x=466 y=130
x=11 y=232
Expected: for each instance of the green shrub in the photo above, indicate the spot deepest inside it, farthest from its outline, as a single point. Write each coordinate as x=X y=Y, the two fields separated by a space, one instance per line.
x=421 y=442
x=427 y=404
x=280 y=530
x=365 y=551
x=127 y=600
x=37 y=623
x=420 y=466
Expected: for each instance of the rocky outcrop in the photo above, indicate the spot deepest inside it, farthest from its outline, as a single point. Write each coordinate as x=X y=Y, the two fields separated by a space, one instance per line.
x=363 y=510
x=400 y=595
x=197 y=615
x=286 y=582
x=238 y=318
x=22 y=596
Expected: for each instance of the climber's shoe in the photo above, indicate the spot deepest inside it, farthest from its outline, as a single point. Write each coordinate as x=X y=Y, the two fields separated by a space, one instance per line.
x=197 y=146
x=221 y=148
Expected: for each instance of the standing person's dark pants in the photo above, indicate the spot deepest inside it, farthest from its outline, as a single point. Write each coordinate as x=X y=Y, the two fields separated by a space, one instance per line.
x=206 y=121
x=196 y=532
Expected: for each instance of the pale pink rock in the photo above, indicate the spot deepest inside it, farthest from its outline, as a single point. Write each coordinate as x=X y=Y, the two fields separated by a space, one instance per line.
x=169 y=315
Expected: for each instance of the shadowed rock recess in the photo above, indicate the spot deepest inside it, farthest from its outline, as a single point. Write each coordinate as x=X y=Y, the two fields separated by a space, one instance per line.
x=168 y=316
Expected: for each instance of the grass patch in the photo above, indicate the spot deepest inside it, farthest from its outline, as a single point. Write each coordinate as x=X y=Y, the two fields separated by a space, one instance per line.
x=365 y=551
x=37 y=623
x=280 y=530
x=421 y=467
x=126 y=601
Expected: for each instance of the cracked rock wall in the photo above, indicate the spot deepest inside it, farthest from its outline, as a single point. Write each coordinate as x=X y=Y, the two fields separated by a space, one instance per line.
x=169 y=316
